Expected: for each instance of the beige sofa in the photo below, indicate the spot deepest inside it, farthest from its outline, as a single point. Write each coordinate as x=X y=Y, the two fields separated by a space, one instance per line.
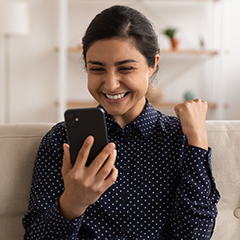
x=19 y=144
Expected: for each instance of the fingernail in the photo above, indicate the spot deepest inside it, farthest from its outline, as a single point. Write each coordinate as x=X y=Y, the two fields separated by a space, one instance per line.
x=64 y=147
x=89 y=139
x=111 y=146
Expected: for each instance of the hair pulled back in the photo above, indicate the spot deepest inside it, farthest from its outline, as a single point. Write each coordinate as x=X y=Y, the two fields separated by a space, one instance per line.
x=126 y=23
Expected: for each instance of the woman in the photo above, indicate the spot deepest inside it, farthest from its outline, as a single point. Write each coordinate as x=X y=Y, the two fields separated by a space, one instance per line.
x=156 y=182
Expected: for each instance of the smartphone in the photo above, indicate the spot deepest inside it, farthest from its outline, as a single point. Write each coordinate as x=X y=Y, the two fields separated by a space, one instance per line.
x=81 y=123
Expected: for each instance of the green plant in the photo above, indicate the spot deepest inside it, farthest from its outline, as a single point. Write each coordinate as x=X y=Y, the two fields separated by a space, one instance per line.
x=170 y=32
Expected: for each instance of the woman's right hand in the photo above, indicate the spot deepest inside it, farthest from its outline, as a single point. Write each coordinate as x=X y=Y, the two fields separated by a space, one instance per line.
x=84 y=185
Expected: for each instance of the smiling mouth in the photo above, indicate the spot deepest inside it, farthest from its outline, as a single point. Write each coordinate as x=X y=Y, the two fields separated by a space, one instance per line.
x=117 y=96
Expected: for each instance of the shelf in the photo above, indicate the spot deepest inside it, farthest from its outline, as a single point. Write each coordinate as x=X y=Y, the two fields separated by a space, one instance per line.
x=186 y=0
x=80 y=104
x=171 y=105
x=166 y=105
x=188 y=52
x=162 y=51
x=71 y=49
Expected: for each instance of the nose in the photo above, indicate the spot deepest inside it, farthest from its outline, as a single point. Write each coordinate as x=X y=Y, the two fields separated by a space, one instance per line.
x=111 y=81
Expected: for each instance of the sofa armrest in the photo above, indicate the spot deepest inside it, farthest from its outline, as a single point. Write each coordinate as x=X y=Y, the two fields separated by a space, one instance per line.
x=18 y=147
x=224 y=139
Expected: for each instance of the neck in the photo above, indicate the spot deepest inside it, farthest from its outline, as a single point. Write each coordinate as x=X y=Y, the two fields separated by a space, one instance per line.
x=132 y=114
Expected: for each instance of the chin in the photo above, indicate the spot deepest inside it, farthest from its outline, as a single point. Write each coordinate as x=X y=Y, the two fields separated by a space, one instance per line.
x=114 y=112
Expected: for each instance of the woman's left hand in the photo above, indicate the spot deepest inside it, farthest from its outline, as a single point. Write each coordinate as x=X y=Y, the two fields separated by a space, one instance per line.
x=192 y=115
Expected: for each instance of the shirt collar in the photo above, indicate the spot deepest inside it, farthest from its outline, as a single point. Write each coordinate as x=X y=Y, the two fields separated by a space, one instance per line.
x=145 y=122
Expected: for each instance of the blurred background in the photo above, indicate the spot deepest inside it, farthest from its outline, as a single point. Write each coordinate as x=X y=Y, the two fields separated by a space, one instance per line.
x=42 y=72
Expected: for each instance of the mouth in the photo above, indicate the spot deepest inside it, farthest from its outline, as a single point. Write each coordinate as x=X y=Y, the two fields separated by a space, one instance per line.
x=116 y=96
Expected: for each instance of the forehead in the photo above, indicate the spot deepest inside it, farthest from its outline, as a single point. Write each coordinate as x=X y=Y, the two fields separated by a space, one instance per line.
x=114 y=49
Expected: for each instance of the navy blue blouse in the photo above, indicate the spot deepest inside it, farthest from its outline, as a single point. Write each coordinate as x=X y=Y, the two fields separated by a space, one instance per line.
x=162 y=190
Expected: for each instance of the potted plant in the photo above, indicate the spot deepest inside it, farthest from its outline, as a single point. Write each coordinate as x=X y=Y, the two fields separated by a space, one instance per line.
x=171 y=32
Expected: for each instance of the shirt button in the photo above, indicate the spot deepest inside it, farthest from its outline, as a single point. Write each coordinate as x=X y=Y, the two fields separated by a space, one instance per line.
x=124 y=198
x=130 y=128
x=237 y=213
x=124 y=168
x=123 y=230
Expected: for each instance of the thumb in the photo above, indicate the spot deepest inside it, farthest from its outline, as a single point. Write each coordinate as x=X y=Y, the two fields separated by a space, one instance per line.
x=176 y=109
x=66 y=163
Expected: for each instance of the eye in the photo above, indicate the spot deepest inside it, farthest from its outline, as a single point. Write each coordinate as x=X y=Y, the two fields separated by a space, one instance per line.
x=97 y=69
x=126 y=69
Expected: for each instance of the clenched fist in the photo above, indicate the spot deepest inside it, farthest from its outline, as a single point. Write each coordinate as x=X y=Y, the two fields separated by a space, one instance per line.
x=192 y=115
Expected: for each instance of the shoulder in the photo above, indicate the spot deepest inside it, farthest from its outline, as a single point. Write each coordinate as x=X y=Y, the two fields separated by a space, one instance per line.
x=58 y=129
x=51 y=146
x=168 y=124
x=57 y=135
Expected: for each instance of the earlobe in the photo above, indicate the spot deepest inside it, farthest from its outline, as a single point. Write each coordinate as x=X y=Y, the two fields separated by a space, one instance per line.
x=153 y=69
x=157 y=58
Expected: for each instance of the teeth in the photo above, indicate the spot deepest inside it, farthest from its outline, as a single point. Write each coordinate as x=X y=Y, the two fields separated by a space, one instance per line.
x=115 y=96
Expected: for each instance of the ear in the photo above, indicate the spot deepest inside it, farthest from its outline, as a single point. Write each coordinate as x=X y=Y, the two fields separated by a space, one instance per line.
x=153 y=69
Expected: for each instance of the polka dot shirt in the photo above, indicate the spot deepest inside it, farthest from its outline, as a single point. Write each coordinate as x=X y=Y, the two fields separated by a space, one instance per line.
x=162 y=190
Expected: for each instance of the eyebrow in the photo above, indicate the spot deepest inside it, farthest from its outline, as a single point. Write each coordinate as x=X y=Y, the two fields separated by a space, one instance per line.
x=116 y=64
x=125 y=61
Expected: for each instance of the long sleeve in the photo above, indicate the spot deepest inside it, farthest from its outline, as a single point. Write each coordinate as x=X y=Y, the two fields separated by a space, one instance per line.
x=193 y=209
x=43 y=219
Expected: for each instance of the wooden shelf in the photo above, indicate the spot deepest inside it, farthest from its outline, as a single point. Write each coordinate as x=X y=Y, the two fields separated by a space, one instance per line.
x=166 y=105
x=188 y=52
x=171 y=105
x=185 y=0
x=71 y=49
x=80 y=104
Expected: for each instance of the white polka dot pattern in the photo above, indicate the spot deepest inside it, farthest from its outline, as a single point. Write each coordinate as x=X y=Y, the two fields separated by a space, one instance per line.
x=161 y=191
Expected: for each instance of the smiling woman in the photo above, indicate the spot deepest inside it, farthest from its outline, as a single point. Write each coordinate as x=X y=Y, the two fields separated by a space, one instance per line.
x=120 y=59
x=153 y=179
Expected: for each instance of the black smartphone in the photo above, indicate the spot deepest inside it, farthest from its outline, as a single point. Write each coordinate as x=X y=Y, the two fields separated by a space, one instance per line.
x=81 y=123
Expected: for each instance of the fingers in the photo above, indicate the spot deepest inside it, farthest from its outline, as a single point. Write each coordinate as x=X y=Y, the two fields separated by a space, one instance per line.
x=201 y=102
x=193 y=105
x=84 y=152
x=84 y=185
x=109 y=153
x=194 y=111
x=66 y=164
x=108 y=173
x=111 y=179
x=106 y=169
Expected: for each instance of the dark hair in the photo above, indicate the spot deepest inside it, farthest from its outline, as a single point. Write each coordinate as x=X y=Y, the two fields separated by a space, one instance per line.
x=123 y=22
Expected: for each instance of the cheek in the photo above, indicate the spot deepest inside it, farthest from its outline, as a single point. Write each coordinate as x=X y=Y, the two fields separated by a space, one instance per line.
x=91 y=86
x=145 y=81
x=144 y=84
x=140 y=85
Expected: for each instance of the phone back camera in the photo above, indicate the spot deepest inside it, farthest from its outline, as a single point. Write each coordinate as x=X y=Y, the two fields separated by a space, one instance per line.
x=73 y=119
x=69 y=116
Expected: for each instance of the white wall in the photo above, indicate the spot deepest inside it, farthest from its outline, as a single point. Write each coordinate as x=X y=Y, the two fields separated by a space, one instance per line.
x=34 y=61
x=231 y=63
x=33 y=65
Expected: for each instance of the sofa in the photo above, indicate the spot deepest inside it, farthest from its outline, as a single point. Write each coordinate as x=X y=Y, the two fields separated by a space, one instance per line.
x=18 y=148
